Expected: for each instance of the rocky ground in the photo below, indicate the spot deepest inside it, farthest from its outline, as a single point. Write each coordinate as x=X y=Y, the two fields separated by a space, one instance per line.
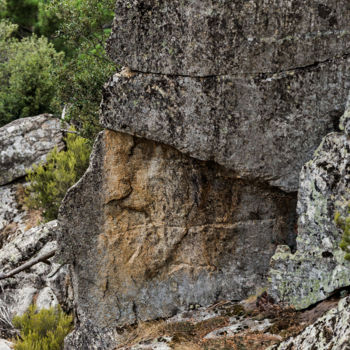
x=254 y=324
x=28 y=273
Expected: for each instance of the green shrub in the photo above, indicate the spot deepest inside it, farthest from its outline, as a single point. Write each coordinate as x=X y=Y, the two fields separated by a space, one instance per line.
x=85 y=27
x=49 y=182
x=344 y=224
x=21 y=12
x=27 y=74
x=43 y=330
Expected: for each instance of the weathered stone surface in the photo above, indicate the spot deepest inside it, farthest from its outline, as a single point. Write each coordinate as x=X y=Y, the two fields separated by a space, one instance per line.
x=34 y=284
x=25 y=142
x=46 y=299
x=210 y=37
x=150 y=231
x=345 y=119
x=259 y=126
x=90 y=337
x=318 y=267
x=331 y=331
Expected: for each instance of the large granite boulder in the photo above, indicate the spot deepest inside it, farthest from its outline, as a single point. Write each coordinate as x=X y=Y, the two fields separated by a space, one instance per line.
x=25 y=142
x=318 y=267
x=246 y=88
x=260 y=126
x=252 y=85
x=211 y=37
x=150 y=231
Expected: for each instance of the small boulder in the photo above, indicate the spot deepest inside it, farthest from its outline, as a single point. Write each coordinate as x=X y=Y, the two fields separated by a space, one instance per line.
x=25 y=142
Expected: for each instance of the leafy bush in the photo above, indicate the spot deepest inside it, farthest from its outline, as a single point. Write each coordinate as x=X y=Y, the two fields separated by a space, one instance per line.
x=21 y=12
x=49 y=182
x=43 y=330
x=344 y=224
x=84 y=26
x=27 y=74
x=80 y=29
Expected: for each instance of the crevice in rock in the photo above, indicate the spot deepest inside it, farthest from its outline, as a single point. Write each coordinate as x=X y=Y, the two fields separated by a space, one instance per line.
x=16 y=181
x=335 y=295
x=263 y=75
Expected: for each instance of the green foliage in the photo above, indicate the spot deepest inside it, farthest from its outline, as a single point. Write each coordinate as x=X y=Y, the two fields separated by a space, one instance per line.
x=21 y=12
x=80 y=29
x=49 y=182
x=84 y=25
x=27 y=74
x=344 y=224
x=3 y=6
x=43 y=330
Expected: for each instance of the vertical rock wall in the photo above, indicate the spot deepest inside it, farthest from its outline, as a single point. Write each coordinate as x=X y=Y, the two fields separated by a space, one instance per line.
x=230 y=99
x=151 y=231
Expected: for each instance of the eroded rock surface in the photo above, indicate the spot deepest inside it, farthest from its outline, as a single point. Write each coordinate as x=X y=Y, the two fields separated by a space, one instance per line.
x=259 y=126
x=25 y=142
x=210 y=37
x=318 y=267
x=150 y=231
x=252 y=85
x=34 y=284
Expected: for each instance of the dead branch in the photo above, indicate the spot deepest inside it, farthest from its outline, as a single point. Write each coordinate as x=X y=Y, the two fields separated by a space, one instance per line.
x=27 y=265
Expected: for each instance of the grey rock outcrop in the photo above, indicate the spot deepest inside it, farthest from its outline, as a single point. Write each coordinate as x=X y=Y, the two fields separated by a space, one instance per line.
x=25 y=142
x=150 y=231
x=210 y=37
x=23 y=289
x=262 y=127
x=318 y=267
x=244 y=91
x=331 y=331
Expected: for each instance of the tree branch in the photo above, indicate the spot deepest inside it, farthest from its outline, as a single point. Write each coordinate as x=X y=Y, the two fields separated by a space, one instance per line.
x=27 y=265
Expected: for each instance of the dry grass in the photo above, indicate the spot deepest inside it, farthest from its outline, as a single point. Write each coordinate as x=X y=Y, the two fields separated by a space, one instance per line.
x=190 y=335
x=185 y=335
x=33 y=217
x=143 y=331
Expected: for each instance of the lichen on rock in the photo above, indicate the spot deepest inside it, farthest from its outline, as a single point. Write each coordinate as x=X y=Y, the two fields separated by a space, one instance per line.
x=211 y=37
x=318 y=267
x=25 y=142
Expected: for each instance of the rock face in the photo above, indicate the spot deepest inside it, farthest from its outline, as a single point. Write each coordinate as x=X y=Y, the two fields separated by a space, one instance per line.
x=244 y=91
x=210 y=37
x=318 y=266
x=150 y=231
x=252 y=85
x=33 y=285
x=263 y=127
x=329 y=332
x=25 y=142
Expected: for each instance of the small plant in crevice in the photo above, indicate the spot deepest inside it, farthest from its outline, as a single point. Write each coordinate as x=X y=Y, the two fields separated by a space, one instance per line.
x=42 y=330
x=49 y=182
